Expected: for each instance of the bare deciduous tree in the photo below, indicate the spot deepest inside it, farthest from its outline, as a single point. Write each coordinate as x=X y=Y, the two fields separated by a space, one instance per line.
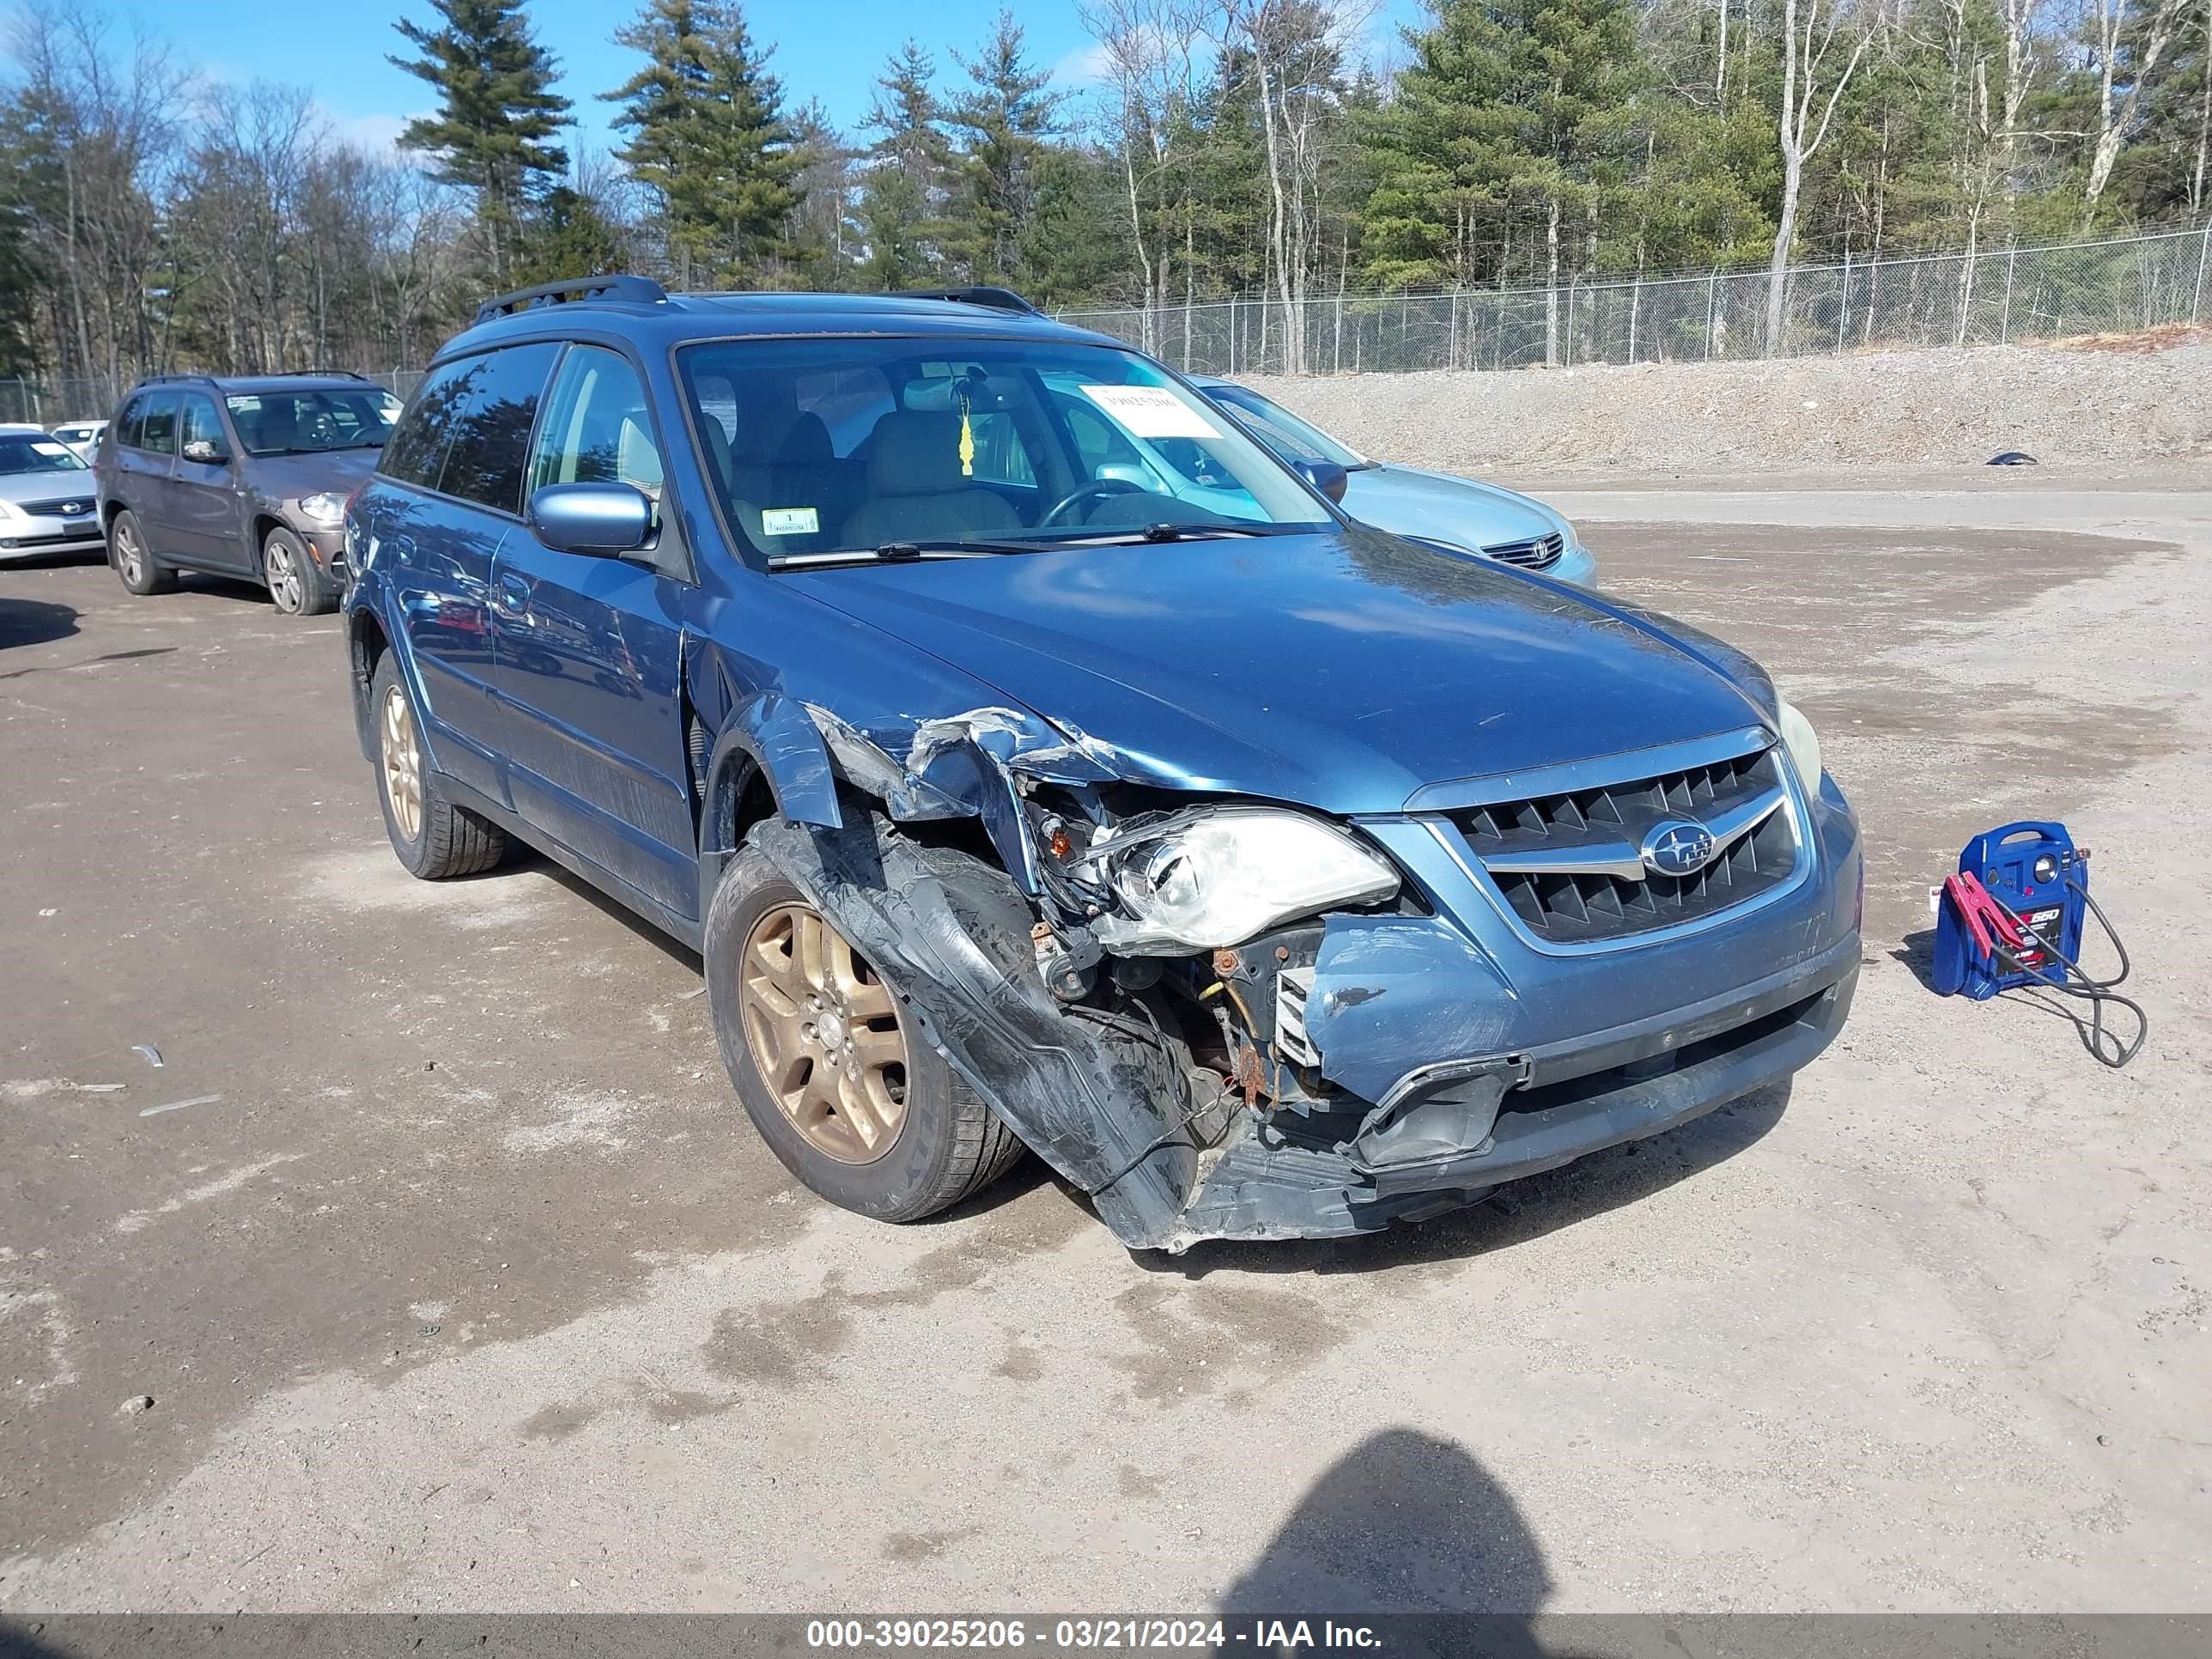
x=1819 y=37
x=2115 y=109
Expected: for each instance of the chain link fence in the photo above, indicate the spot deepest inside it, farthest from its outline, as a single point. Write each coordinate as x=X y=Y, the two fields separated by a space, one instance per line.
x=1987 y=298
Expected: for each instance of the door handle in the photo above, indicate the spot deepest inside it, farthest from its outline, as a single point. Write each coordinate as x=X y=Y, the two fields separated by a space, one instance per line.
x=512 y=594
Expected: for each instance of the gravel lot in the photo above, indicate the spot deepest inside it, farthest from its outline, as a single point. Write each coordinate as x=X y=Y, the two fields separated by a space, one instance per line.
x=457 y=1282
x=2131 y=400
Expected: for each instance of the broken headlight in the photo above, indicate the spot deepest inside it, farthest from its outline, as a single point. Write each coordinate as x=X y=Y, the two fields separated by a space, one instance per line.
x=1216 y=876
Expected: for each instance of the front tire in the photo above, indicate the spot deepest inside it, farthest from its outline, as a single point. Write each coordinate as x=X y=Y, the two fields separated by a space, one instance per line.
x=435 y=839
x=831 y=1065
x=296 y=583
x=141 y=573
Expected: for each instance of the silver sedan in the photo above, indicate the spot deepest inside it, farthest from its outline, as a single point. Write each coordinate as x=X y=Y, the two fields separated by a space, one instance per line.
x=48 y=503
x=1461 y=515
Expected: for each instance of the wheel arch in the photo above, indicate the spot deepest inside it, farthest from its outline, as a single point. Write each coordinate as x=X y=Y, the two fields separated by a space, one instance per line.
x=365 y=644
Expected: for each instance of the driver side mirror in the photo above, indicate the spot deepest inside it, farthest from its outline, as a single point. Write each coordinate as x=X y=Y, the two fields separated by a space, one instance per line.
x=205 y=451
x=605 y=518
x=1327 y=476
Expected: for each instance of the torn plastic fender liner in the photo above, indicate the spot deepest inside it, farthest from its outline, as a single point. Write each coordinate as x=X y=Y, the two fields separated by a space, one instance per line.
x=950 y=935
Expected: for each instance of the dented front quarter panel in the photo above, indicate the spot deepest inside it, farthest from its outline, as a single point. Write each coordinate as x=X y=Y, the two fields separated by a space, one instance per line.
x=950 y=936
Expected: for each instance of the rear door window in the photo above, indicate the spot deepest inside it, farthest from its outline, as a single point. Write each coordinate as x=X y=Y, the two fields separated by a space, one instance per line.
x=126 y=427
x=467 y=433
x=157 y=435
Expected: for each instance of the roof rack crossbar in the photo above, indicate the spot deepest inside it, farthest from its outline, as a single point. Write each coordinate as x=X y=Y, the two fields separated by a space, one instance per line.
x=998 y=299
x=638 y=290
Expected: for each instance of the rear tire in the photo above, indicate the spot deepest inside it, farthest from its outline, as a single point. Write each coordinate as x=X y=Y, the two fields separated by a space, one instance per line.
x=297 y=585
x=435 y=839
x=133 y=560
x=947 y=1144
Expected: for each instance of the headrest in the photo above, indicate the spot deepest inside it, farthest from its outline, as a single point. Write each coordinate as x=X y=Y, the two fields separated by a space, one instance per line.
x=762 y=432
x=915 y=452
x=807 y=443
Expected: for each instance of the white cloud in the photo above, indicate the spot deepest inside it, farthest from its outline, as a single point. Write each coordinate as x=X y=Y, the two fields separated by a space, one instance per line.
x=1086 y=66
x=377 y=133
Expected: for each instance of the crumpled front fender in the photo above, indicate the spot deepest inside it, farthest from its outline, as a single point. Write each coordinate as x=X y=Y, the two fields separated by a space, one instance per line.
x=950 y=935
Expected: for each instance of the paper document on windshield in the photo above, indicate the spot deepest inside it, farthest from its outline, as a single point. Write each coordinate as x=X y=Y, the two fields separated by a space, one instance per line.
x=1151 y=412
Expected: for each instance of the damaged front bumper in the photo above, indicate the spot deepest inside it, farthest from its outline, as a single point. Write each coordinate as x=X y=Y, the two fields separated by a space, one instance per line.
x=1451 y=1064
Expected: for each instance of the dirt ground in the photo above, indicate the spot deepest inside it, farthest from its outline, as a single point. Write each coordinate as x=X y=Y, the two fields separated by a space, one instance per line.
x=2125 y=398
x=457 y=1281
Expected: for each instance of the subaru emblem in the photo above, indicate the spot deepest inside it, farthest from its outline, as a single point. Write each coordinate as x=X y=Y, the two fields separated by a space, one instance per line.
x=1678 y=847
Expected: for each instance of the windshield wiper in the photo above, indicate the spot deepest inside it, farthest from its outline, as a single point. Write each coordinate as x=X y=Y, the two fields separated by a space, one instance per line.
x=1176 y=532
x=892 y=552
x=905 y=552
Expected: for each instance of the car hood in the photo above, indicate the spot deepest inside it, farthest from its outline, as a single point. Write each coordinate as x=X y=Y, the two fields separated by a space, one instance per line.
x=1343 y=670
x=1407 y=501
x=288 y=477
x=74 y=484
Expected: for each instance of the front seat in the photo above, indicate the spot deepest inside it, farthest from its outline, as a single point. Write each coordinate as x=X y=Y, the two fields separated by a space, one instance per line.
x=915 y=492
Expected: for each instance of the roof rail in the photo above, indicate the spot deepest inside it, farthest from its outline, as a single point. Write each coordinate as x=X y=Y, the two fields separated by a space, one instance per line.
x=998 y=299
x=638 y=290
x=174 y=374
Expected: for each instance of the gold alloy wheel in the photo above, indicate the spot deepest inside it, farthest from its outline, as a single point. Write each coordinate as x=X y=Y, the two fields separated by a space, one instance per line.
x=825 y=1035
x=403 y=764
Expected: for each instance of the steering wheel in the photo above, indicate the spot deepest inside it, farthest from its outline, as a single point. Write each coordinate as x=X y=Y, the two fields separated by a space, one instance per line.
x=1101 y=487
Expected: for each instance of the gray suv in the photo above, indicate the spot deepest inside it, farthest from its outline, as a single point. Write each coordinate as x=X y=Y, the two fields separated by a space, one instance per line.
x=245 y=476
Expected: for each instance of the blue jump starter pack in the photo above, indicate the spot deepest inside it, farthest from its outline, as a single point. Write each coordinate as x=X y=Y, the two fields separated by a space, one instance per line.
x=2011 y=918
x=2034 y=871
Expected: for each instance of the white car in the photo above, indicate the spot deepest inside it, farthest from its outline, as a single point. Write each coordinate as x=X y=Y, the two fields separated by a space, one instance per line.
x=82 y=436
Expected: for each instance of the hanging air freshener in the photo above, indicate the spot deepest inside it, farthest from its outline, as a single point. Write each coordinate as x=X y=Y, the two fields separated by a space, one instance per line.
x=967 y=441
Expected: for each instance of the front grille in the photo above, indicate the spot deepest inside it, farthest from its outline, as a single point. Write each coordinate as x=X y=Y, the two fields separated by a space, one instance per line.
x=1570 y=867
x=1537 y=555
x=57 y=507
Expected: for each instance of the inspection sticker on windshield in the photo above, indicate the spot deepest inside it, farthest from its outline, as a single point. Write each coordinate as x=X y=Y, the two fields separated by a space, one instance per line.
x=789 y=521
x=1151 y=412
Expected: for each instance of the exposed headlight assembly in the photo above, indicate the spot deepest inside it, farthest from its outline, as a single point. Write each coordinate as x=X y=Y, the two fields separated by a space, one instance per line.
x=1804 y=745
x=325 y=506
x=1216 y=876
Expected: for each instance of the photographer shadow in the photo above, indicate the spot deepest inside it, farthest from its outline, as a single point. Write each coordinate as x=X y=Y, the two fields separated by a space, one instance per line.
x=1404 y=1524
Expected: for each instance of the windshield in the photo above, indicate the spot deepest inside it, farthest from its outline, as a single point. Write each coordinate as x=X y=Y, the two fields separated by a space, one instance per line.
x=1292 y=439
x=306 y=423
x=827 y=447
x=36 y=454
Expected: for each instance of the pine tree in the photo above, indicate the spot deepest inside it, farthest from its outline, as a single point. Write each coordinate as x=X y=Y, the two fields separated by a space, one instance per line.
x=568 y=234
x=820 y=228
x=1002 y=123
x=904 y=194
x=1509 y=125
x=497 y=110
x=709 y=137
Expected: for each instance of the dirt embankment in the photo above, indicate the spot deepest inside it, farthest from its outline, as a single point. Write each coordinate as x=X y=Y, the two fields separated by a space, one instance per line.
x=2121 y=399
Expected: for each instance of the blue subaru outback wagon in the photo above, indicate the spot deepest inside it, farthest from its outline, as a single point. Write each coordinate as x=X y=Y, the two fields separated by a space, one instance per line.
x=1268 y=875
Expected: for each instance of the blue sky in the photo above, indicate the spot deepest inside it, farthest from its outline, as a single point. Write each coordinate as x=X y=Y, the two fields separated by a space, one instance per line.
x=827 y=51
